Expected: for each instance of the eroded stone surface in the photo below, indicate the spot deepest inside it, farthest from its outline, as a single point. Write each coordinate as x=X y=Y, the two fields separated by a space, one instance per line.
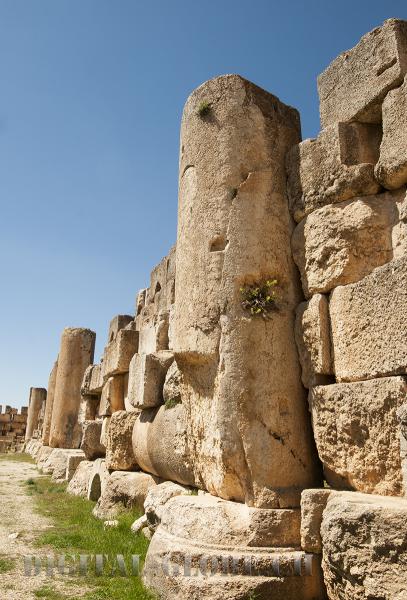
x=236 y=532
x=336 y=166
x=364 y=547
x=113 y=394
x=75 y=355
x=119 y=352
x=122 y=491
x=355 y=84
x=342 y=243
x=38 y=398
x=313 y=503
x=90 y=444
x=156 y=499
x=119 y=449
x=357 y=435
x=234 y=231
x=78 y=485
x=160 y=444
x=312 y=334
x=369 y=324
x=49 y=404
x=146 y=378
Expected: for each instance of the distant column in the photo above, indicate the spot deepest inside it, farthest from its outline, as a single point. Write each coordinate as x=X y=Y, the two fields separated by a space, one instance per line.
x=49 y=404
x=76 y=353
x=37 y=398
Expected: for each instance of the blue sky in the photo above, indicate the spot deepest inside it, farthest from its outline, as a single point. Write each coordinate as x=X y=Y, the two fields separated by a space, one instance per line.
x=91 y=98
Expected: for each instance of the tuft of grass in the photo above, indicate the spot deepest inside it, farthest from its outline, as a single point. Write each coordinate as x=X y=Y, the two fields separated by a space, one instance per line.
x=204 y=108
x=6 y=564
x=259 y=299
x=30 y=481
x=77 y=531
x=18 y=457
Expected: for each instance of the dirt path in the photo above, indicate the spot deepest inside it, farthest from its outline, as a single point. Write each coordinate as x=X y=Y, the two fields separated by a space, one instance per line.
x=18 y=515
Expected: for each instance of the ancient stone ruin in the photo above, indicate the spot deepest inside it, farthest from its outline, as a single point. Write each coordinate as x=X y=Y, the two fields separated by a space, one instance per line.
x=254 y=407
x=13 y=427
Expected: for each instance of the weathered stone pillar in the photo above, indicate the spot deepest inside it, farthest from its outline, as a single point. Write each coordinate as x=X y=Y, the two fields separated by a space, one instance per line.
x=49 y=404
x=37 y=398
x=248 y=425
x=76 y=353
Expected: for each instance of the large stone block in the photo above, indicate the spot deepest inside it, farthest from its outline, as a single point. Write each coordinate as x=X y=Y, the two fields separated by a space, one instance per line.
x=154 y=332
x=92 y=383
x=98 y=478
x=160 y=444
x=364 y=541
x=153 y=306
x=119 y=352
x=236 y=533
x=88 y=408
x=187 y=516
x=357 y=434
x=342 y=243
x=117 y=323
x=42 y=456
x=391 y=170
x=119 y=449
x=75 y=355
x=113 y=395
x=234 y=231
x=79 y=483
x=156 y=499
x=146 y=378
x=355 y=84
x=336 y=166
x=123 y=491
x=57 y=463
x=369 y=324
x=312 y=334
x=90 y=444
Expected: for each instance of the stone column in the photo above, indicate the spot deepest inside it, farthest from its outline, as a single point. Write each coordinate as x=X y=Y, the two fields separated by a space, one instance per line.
x=248 y=424
x=37 y=398
x=49 y=404
x=76 y=353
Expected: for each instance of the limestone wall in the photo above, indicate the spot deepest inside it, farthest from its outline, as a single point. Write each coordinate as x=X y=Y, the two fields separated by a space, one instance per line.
x=255 y=404
x=13 y=424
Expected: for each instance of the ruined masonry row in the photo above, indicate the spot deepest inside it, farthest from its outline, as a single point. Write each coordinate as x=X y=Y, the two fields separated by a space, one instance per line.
x=255 y=405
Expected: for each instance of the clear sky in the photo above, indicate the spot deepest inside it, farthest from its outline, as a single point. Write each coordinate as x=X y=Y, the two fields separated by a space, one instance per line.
x=91 y=98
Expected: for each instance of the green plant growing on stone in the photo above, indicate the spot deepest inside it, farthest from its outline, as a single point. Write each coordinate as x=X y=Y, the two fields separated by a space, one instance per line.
x=204 y=108
x=171 y=402
x=260 y=299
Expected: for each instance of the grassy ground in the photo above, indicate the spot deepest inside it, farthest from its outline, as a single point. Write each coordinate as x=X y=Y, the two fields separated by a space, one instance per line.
x=77 y=531
x=6 y=564
x=17 y=457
